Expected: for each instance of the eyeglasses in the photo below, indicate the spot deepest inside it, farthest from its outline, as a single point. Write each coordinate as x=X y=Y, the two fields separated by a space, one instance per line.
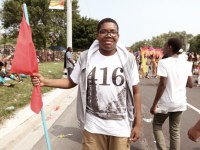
x=106 y=33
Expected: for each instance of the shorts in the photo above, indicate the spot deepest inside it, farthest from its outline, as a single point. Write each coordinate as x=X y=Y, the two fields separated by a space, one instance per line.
x=92 y=141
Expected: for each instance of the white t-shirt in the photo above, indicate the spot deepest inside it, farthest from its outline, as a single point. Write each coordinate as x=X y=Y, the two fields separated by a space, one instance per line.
x=177 y=71
x=106 y=111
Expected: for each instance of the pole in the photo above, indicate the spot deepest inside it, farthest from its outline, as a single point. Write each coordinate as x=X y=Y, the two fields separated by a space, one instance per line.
x=69 y=23
x=45 y=130
x=42 y=111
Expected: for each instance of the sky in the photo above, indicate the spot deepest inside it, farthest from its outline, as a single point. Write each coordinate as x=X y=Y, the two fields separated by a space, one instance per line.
x=143 y=19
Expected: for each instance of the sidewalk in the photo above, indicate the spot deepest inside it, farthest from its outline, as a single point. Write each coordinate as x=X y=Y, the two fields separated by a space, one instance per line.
x=25 y=128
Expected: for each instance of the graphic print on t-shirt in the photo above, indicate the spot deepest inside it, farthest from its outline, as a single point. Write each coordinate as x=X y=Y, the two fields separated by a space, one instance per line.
x=106 y=96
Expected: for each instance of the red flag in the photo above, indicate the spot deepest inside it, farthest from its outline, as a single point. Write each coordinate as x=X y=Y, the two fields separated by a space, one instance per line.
x=25 y=61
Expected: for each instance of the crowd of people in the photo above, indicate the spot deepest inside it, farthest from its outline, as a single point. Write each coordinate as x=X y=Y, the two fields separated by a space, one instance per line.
x=148 y=66
x=148 y=63
x=49 y=56
x=6 y=55
x=6 y=74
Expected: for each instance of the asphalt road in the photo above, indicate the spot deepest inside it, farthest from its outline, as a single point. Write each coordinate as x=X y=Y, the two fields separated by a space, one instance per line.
x=148 y=89
x=65 y=134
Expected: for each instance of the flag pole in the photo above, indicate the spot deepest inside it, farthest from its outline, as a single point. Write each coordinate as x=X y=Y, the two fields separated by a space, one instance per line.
x=42 y=111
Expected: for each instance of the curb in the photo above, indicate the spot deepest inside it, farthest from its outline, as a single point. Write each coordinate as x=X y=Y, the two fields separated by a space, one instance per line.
x=25 y=128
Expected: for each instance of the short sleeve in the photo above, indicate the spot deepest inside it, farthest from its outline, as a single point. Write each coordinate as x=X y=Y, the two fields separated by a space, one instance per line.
x=161 y=70
x=135 y=74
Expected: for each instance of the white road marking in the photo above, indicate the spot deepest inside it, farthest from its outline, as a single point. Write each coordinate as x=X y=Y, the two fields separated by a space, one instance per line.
x=148 y=120
x=194 y=108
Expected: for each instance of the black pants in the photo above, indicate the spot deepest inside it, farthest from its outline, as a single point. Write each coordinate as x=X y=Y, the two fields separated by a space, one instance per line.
x=69 y=71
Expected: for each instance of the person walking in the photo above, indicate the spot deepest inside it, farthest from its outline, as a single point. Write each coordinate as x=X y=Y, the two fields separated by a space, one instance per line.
x=170 y=100
x=68 y=61
x=108 y=99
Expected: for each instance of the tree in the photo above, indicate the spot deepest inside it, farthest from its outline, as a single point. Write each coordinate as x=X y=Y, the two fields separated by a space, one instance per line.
x=49 y=26
x=195 y=44
x=159 y=41
x=39 y=18
x=136 y=47
x=84 y=32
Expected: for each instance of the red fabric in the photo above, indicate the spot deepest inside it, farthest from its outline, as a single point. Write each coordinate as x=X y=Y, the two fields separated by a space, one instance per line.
x=25 y=61
x=36 y=100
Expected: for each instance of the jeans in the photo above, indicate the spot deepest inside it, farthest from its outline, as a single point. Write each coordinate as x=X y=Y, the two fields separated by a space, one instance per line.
x=174 y=130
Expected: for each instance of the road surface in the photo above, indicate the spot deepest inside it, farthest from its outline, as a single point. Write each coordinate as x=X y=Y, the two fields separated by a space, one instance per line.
x=65 y=134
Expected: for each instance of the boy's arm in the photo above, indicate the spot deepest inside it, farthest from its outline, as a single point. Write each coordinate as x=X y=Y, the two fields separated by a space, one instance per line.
x=189 y=82
x=160 y=90
x=64 y=83
x=135 y=133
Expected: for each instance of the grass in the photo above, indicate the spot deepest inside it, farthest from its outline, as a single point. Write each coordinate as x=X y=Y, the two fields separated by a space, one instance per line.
x=20 y=95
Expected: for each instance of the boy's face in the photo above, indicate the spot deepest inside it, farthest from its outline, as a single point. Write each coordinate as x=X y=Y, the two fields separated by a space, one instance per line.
x=167 y=51
x=108 y=37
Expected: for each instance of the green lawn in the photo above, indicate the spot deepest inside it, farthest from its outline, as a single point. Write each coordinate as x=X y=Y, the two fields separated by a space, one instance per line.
x=20 y=95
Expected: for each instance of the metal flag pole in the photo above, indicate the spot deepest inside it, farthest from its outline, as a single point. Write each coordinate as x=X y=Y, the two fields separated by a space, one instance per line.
x=69 y=23
x=42 y=111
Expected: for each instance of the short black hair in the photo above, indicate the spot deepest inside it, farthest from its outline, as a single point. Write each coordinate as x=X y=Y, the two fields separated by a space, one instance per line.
x=68 y=49
x=106 y=20
x=175 y=43
x=1 y=63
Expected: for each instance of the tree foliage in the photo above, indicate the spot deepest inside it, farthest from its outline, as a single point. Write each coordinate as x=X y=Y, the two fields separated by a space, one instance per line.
x=195 y=44
x=159 y=41
x=48 y=26
x=84 y=32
